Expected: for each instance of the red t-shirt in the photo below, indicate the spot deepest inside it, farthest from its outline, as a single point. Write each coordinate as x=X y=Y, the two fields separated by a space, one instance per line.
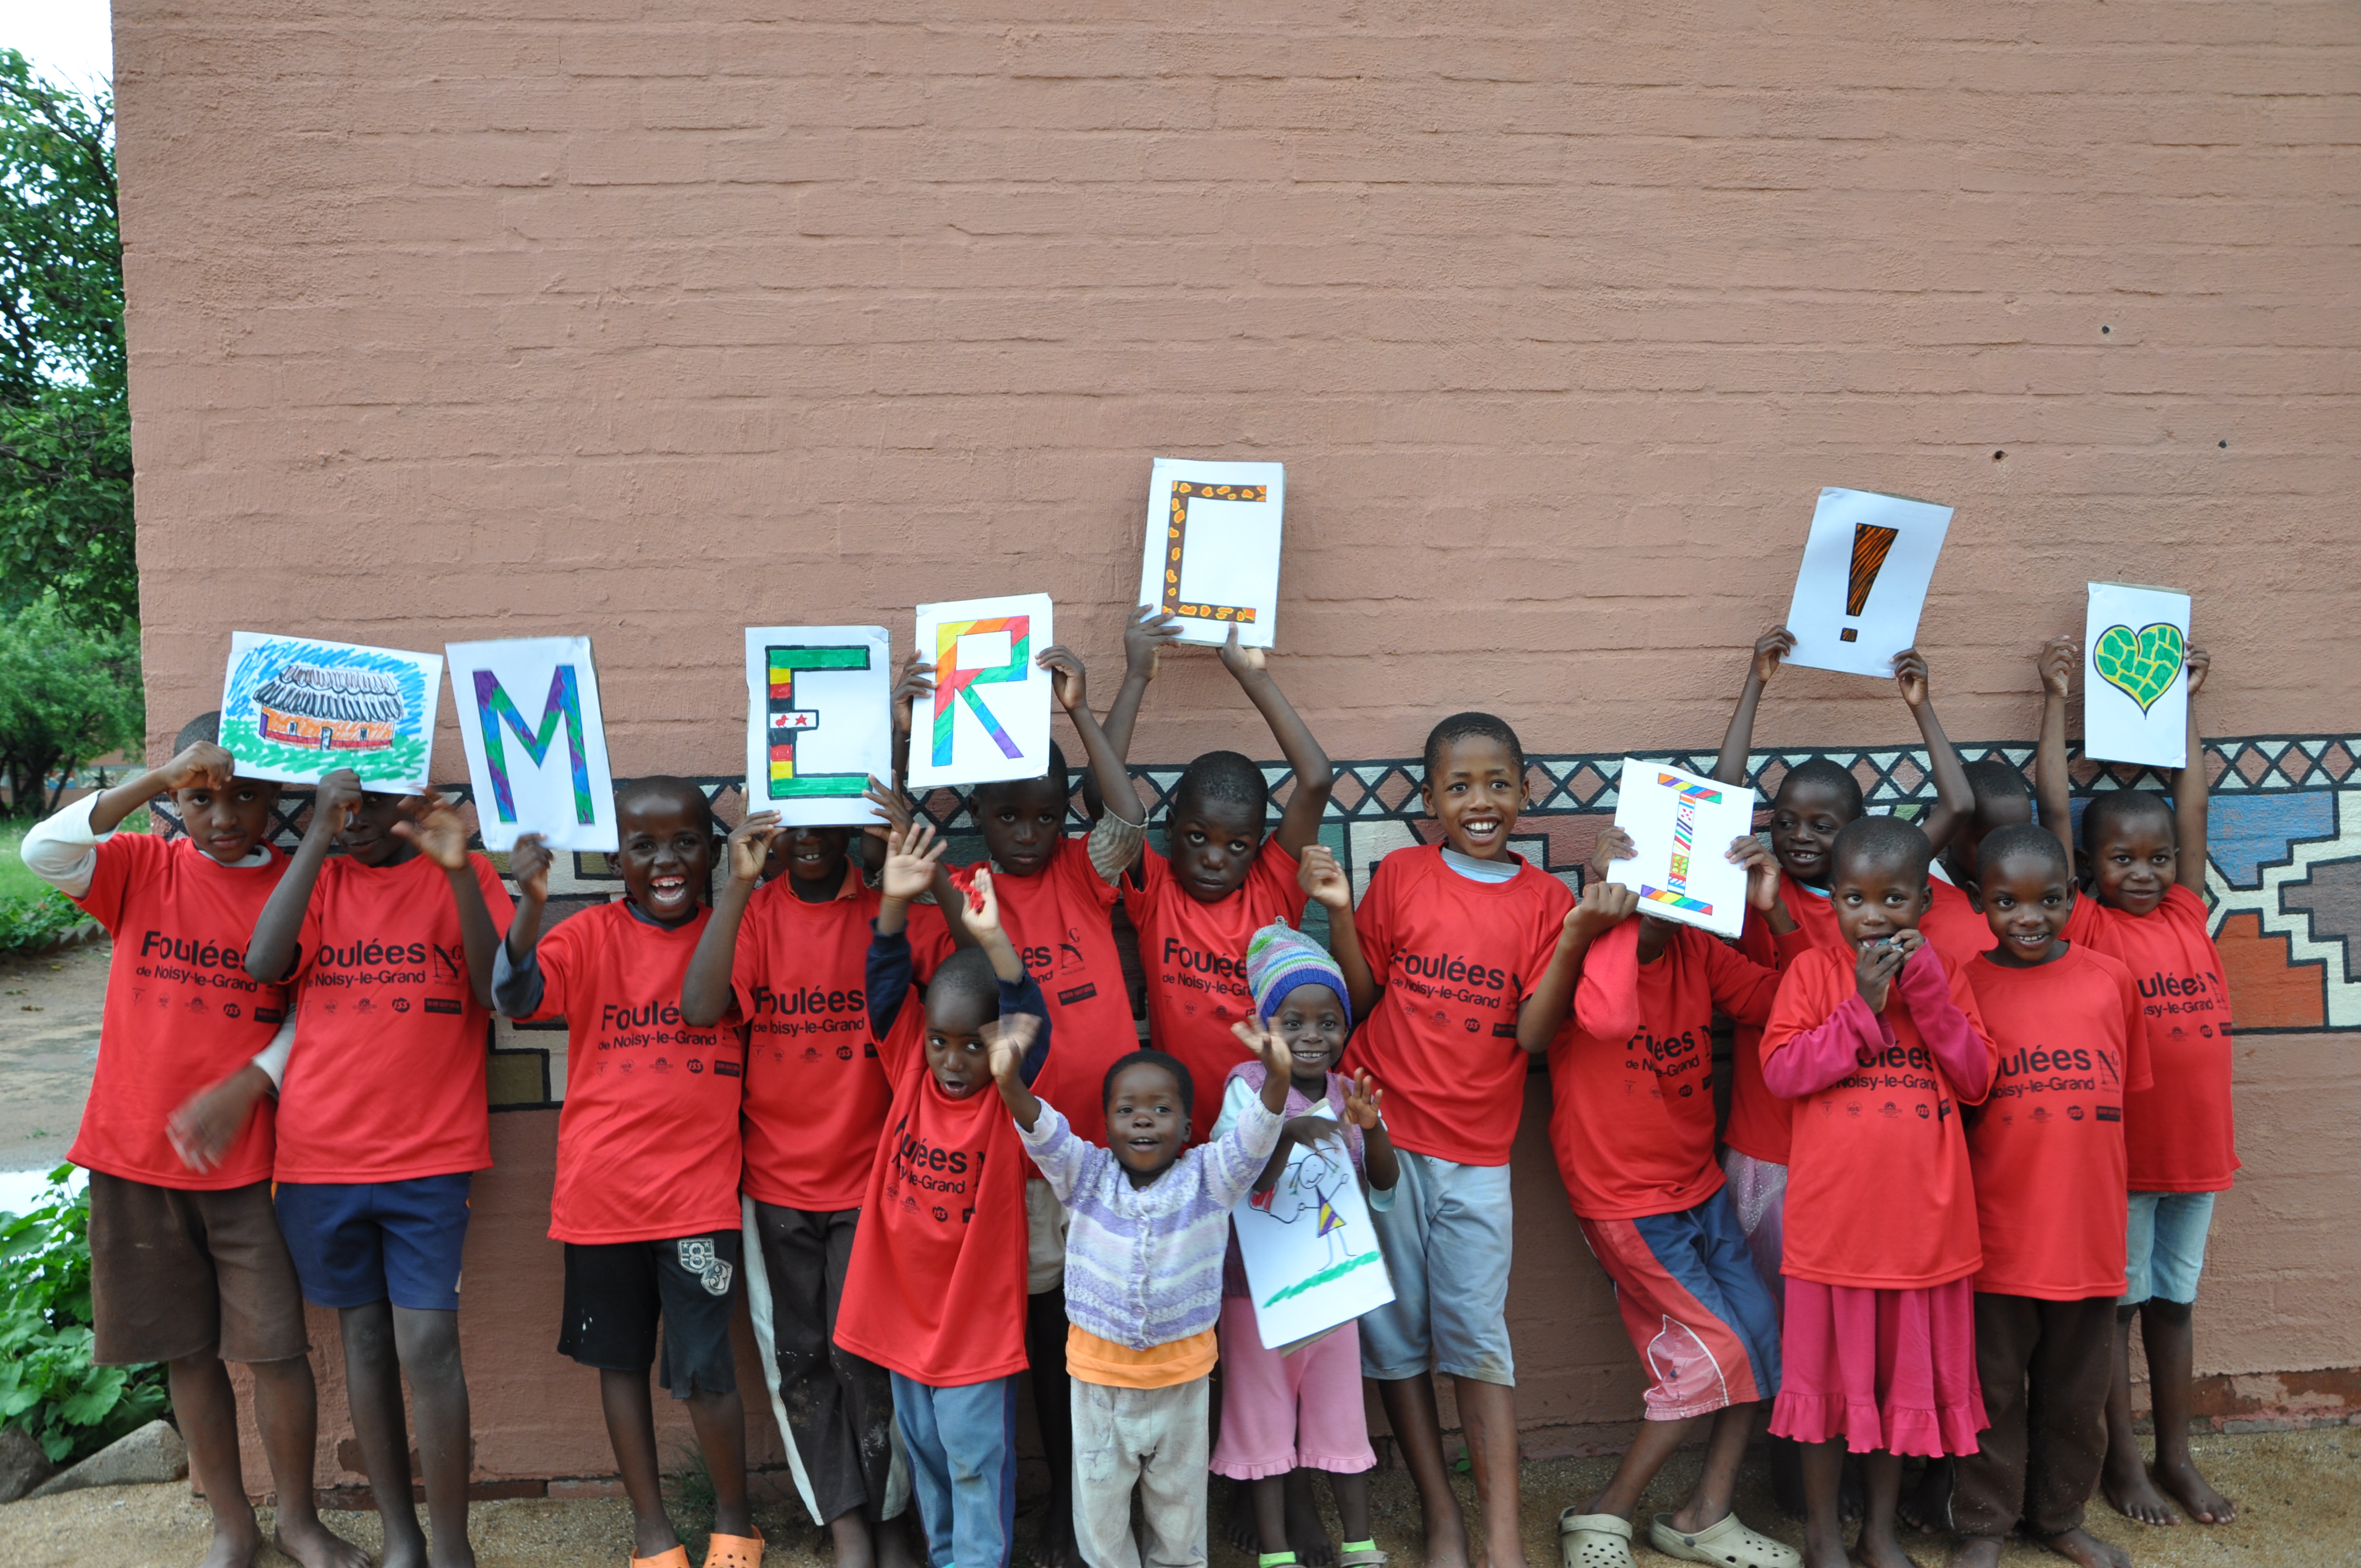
x=1060 y=920
x=1757 y=1118
x=816 y=1094
x=1879 y=1195
x=647 y=1142
x=1632 y=1084
x=1956 y=926
x=2181 y=1135
x=1195 y=956
x=1454 y=958
x=387 y=1079
x=936 y=1288
x=181 y=1013
x=2048 y=1144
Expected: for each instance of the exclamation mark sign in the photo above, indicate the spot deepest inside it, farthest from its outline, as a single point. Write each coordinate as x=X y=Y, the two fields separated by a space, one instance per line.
x=1870 y=545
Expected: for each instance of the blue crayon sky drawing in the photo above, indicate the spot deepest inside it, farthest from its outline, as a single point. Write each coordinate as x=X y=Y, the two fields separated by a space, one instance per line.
x=295 y=710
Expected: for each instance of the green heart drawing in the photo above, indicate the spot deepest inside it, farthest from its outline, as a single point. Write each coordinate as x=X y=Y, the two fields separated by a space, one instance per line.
x=2143 y=664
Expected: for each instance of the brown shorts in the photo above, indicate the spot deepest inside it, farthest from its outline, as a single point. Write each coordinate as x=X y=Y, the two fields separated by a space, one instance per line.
x=174 y=1273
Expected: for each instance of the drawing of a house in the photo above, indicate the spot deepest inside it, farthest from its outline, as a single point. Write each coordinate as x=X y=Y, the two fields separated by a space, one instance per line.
x=330 y=710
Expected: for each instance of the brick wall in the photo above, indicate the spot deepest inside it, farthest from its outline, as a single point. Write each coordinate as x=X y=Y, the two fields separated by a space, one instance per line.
x=650 y=321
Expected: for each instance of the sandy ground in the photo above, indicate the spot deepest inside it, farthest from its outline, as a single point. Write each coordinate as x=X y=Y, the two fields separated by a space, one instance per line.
x=50 y=1009
x=2299 y=1496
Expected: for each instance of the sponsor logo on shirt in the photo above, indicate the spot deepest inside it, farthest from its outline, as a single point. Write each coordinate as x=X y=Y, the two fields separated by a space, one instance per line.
x=1082 y=992
x=443 y=1005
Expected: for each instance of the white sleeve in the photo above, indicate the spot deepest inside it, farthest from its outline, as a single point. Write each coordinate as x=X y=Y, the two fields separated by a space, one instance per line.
x=273 y=1058
x=62 y=850
x=1236 y=1096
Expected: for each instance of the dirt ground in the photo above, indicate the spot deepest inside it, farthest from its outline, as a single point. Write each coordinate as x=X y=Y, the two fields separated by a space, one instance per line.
x=50 y=1009
x=2299 y=1496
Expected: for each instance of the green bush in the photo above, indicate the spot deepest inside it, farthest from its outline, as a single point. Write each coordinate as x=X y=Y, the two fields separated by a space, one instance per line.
x=31 y=921
x=49 y=1386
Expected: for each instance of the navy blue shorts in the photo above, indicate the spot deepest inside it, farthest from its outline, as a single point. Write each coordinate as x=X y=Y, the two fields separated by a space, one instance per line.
x=378 y=1241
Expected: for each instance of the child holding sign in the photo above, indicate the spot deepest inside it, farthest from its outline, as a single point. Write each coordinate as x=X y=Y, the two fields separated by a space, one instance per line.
x=2146 y=864
x=648 y=1152
x=1879 y=1044
x=1222 y=879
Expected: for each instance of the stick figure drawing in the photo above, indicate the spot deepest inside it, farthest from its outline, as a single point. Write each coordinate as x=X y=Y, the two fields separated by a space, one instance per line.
x=1308 y=1189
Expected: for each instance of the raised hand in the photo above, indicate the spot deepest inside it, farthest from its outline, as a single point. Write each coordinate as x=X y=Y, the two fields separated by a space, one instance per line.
x=1278 y=1060
x=749 y=845
x=982 y=907
x=1769 y=649
x=2196 y=661
x=1145 y=638
x=1006 y=1038
x=1364 y=1101
x=334 y=800
x=2059 y=659
x=1238 y=659
x=1614 y=844
x=910 y=856
x=528 y=863
x=203 y=766
x=433 y=825
x=1873 y=972
x=1762 y=869
x=1323 y=880
x=1910 y=675
x=916 y=680
x=1067 y=675
x=1602 y=906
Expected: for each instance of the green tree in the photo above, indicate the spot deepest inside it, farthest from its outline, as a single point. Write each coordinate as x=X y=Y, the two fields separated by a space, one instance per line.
x=68 y=694
x=65 y=427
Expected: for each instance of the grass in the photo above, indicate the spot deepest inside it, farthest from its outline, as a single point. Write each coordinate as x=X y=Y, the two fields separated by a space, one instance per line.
x=33 y=914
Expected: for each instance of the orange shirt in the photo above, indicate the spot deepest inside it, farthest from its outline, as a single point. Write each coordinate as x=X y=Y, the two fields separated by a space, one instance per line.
x=181 y=1013
x=1195 y=957
x=386 y=1082
x=2048 y=1144
x=2181 y=1135
x=1631 y=1083
x=1879 y=1195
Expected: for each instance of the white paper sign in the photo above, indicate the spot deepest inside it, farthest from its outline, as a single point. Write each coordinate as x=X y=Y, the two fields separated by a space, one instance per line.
x=819 y=721
x=1213 y=548
x=536 y=741
x=990 y=716
x=1682 y=826
x=1312 y=1255
x=297 y=709
x=1867 y=565
x=2134 y=690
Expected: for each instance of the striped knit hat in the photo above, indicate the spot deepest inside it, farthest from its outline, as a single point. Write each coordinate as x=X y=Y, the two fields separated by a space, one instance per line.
x=1280 y=958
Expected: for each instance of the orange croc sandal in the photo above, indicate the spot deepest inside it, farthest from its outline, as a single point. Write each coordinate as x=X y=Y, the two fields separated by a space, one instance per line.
x=734 y=1551
x=677 y=1558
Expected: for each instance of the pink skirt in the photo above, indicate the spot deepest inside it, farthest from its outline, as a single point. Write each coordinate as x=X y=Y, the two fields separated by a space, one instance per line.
x=1883 y=1369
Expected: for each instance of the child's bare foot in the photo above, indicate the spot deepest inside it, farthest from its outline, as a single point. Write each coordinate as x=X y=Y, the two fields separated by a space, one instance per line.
x=315 y=1545
x=2179 y=1476
x=2081 y=1546
x=2131 y=1494
x=1055 y=1546
x=1888 y=1553
x=1975 y=1552
x=1241 y=1528
x=233 y=1547
x=460 y=1554
x=1928 y=1510
x=1446 y=1539
x=1307 y=1537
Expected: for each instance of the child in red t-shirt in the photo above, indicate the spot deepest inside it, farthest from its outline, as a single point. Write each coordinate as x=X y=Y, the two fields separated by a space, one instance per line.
x=1879 y=1045
x=935 y=1293
x=648 y=1152
x=2144 y=865
x=2048 y=1153
x=791 y=956
x=1460 y=961
x=1057 y=900
x=1632 y=1126
x=187 y=1267
x=1222 y=879
x=382 y=1117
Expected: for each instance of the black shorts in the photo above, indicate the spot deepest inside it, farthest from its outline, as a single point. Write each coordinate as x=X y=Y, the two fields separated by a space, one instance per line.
x=616 y=1294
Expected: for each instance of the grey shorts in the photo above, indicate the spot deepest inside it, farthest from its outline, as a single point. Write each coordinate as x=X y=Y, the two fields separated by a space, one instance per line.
x=1447 y=1237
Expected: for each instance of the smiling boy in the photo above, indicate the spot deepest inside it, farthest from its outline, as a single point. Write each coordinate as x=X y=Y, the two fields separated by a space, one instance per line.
x=187 y=1264
x=648 y=1152
x=1461 y=958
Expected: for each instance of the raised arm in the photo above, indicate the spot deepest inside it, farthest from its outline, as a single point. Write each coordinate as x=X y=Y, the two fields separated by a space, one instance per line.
x=1603 y=906
x=916 y=680
x=270 y=954
x=1144 y=637
x=1323 y=879
x=706 y=989
x=1738 y=740
x=433 y=825
x=1955 y=799
x=2191 y=789
x=516 y=974
x=2052 y=787
x=1107 y=770
x=203 y=765
x=1299 y=825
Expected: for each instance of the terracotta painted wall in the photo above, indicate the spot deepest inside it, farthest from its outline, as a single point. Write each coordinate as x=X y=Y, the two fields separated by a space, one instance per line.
x=651 y=321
